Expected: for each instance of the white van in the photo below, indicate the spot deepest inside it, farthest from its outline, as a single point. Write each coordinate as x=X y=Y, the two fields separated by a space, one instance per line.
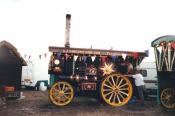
x=149 y=73
x=35 y=73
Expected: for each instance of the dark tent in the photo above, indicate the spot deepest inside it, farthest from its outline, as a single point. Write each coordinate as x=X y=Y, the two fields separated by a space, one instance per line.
x=10 y=68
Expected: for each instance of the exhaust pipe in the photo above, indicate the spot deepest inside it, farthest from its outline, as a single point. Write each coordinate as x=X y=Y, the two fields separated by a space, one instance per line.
x=67 y=33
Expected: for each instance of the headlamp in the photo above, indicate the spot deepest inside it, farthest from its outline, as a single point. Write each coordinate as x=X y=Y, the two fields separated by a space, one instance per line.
x=56 y=62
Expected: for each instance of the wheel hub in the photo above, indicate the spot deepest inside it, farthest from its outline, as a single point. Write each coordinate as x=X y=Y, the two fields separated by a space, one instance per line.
x=61 y=93
x=116 y=90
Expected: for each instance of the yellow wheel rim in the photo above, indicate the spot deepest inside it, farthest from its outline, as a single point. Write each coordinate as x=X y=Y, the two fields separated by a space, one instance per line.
x=61 y=93
x=116 y=90
x=168 y=98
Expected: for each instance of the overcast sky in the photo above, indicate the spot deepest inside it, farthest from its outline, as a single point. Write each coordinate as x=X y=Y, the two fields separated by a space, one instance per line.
x=33 y=25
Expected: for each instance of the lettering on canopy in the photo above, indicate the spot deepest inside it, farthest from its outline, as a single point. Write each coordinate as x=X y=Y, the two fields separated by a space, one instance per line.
x=92 y=51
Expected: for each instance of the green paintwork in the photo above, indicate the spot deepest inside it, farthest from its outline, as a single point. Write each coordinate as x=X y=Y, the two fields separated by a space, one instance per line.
x=167 y=38
x=52 y=79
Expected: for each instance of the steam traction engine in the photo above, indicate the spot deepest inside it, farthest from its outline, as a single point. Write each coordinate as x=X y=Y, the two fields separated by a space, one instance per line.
x=75 y=71
x=164 y=48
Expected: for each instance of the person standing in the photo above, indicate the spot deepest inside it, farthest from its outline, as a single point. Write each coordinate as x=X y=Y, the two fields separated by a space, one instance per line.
x=139 y=82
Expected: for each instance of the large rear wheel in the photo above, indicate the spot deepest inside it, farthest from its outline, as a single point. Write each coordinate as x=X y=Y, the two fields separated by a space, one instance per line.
x=61 y=93
x=167 y=98
x=116 y=90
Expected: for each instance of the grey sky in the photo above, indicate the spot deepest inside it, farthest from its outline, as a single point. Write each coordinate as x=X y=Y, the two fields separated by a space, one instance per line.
x=33 y=25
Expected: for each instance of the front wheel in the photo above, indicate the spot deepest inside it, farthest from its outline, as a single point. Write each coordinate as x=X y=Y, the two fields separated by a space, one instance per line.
x=167 y=98
x=61 y=93
x=116 y=90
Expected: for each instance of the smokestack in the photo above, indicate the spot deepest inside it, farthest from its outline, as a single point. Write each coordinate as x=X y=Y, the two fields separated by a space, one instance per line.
x=67 y=33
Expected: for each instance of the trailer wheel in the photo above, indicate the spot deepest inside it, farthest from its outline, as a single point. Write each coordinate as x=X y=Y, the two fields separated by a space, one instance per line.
x=61 y=93
x=116 y=90
x=167 y=98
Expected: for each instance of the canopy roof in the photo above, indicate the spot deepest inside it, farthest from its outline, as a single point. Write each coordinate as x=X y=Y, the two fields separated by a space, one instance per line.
x=84 y=51
x=167 y=38
x=14 y=51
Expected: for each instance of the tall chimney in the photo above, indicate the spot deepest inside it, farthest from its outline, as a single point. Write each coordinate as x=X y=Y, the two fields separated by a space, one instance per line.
x=67 y=33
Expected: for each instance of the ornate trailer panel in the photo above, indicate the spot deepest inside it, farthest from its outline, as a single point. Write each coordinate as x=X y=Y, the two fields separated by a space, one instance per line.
x=164 y=48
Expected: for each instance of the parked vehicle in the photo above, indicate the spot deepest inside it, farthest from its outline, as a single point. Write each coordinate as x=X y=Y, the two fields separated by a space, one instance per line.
x=35 y=73
x=149 y=73
x=11 y=64
x=164 y=48
x=95 y=72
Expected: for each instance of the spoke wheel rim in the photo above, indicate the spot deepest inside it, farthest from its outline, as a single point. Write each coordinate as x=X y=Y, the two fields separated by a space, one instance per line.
x=61 y=93
x=116 y=90
x=168 y=98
